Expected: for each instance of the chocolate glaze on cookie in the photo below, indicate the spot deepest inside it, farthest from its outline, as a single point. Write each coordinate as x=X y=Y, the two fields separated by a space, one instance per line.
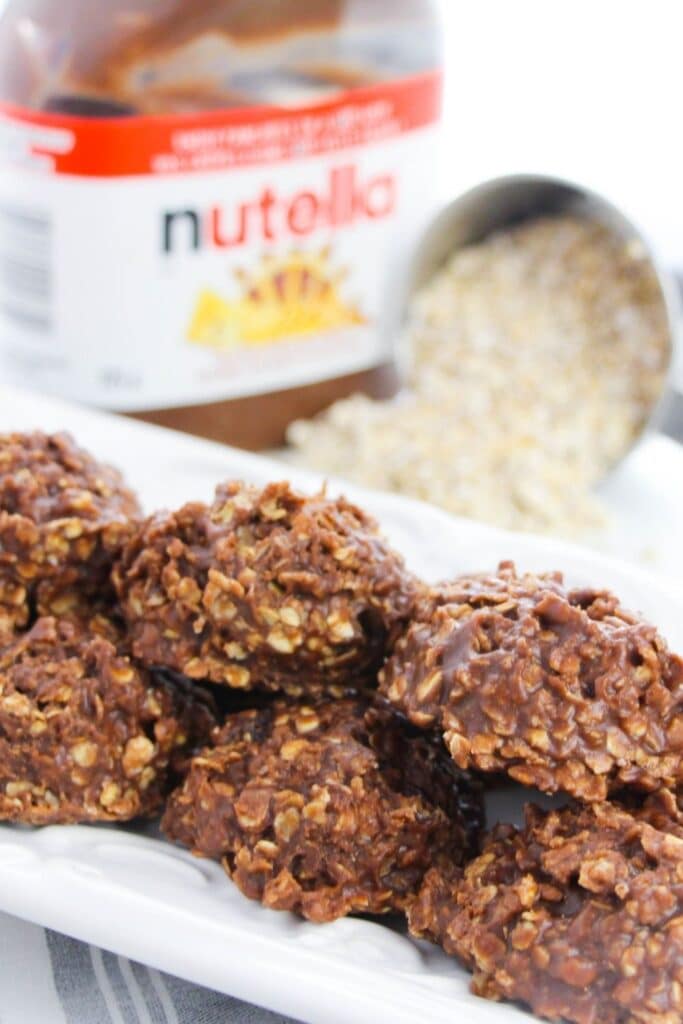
x=265 y=588
x=561 y=689
x=85 y=734
x=63 y=519
x=326 y=809
x=579 y=915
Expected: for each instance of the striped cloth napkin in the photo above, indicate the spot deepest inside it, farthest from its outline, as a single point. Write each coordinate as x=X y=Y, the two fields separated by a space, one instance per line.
x=46 y=978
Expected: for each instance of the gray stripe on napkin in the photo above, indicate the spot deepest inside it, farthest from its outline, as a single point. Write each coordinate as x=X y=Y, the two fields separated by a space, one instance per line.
x=120 y=990
x=195 y=1005
x=75 y=981
x=85 y=1001
x=144 y=980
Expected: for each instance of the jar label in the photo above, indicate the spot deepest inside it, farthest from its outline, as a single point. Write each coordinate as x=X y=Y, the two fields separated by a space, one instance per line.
x=153 y=262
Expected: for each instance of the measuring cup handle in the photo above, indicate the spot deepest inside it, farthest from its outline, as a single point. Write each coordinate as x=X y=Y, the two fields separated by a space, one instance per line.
x=671 y=422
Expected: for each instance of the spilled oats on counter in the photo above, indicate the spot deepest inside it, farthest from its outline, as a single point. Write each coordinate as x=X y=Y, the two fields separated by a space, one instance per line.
x=536 y=357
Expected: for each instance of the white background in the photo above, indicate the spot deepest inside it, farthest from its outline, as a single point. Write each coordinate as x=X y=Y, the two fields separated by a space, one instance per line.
x=590 y=90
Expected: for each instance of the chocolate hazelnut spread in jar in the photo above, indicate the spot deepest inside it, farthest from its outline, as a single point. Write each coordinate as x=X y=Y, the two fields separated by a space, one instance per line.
x=206 y=207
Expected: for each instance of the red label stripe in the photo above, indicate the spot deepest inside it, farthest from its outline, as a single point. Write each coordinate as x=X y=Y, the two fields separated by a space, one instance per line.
x=216 y=140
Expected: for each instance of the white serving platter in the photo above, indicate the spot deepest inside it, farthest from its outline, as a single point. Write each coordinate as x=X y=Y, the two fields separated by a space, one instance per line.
x=137 y=896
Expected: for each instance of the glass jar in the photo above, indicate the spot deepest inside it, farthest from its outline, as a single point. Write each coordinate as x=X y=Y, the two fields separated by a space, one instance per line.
x=206 y=208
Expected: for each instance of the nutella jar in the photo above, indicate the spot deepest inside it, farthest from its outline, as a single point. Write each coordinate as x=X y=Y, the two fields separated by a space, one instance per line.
x=206 y=206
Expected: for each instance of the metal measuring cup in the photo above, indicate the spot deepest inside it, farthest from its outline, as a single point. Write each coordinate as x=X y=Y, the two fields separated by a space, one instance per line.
x=509 y=200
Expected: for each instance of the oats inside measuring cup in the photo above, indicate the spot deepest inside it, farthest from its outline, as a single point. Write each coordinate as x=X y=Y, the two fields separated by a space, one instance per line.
x=536 y=358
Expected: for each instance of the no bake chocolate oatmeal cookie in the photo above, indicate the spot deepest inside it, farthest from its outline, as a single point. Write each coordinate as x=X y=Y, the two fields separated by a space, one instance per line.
x=63 y=517
x=578 y=915
x=326 y=809
x=86 y=735
x=265 y=588
x=562 y=689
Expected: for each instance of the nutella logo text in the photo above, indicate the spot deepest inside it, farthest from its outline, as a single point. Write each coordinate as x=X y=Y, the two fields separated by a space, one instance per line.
x=344 y=200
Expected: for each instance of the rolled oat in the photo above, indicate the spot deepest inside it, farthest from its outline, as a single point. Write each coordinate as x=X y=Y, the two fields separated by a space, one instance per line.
x=537 y=356
x=265 y=588
x=63 y=518
x=579 y=915
x=326 y=809
x=561 y=689
x=85 y=734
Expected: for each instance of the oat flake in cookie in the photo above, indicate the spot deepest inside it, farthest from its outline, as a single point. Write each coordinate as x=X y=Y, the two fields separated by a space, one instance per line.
x=327 y=809
x=265 y=588
x=561 y=689
x=63 y=517
x=85 y=735
x=579 y=915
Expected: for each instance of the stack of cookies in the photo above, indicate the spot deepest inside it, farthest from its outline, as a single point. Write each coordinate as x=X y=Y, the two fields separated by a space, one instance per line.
x=265 y=675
